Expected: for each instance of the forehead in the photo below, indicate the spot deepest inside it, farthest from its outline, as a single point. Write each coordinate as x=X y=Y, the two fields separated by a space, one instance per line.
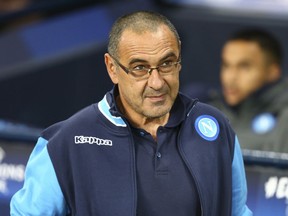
x=148 y=43
x=240 y=49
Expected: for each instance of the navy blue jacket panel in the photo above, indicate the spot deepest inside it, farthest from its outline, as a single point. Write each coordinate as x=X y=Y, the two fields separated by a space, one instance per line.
x=90 y=164
x=209 y=161
x=88 y=171
x=95 y=165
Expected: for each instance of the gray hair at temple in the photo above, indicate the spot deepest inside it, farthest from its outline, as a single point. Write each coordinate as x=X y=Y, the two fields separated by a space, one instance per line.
x=139 y=22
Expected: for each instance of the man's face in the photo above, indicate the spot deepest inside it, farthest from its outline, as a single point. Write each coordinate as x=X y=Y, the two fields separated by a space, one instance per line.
x=244 y=70
x=153 y=96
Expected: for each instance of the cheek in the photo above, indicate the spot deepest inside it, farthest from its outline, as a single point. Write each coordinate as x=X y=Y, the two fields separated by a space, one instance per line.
x=131 y=90
x=252 y=83
x=173 y=85
x=226 y=78
x=222 y=78
x=256 y=79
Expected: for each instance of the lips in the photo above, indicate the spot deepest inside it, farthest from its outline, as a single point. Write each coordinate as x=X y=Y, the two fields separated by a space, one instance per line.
x=156 y=98
x=230 y=91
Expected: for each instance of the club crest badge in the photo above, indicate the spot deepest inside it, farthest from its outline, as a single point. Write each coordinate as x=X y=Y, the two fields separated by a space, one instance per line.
x=263 y=123
x=207 y=127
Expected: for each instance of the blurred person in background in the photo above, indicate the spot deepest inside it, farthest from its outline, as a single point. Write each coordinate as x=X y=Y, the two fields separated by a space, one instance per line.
x=254 y=94
x=17 y=13
x=9 y=6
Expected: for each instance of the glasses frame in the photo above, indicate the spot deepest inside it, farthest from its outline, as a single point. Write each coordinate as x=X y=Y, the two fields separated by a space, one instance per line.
x=127 y=70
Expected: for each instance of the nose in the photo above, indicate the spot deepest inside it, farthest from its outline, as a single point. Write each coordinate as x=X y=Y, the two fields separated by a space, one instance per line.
x=151 y=70
x=155 y=80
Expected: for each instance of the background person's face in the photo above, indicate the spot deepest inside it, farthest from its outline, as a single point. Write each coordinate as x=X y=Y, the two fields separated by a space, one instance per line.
x=244 y=70
x=152 y=97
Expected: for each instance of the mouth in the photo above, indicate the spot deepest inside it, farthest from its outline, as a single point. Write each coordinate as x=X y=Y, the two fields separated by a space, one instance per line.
x=230 y=91
x=156 y=98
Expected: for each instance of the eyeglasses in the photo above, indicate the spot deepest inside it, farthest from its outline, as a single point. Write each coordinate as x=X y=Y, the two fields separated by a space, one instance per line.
x=143 y=72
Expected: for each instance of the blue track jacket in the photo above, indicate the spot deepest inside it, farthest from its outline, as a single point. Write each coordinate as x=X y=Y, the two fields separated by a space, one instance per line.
x=85 y=165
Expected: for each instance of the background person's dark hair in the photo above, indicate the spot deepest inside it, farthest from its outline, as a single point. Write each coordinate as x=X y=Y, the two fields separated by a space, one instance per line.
x=268 y=42
x=138 y=22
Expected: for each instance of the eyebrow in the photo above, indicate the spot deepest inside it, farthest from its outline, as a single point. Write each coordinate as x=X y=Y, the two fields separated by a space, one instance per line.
x=168 y=55
x=245 y=62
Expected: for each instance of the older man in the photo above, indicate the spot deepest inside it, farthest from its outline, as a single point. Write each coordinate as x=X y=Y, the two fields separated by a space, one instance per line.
x=145 y=149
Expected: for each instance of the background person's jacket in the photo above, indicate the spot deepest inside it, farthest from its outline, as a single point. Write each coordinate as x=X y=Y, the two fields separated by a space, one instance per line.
x=261 y=120
x=86 y=165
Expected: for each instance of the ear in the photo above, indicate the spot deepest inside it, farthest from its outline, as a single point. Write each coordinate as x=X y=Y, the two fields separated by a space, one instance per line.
x=180 y=67
x=111 y=68
x=274 y=72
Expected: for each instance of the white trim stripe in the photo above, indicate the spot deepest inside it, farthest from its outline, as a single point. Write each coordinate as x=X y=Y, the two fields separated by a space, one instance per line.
x=104 y=109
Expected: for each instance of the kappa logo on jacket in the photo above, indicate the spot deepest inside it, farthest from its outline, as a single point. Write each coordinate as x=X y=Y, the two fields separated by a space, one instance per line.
x=207 y=127
x=92 y=140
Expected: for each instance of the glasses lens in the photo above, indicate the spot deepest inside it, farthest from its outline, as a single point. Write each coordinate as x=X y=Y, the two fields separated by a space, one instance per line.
x=140 y=73
x=169 y=67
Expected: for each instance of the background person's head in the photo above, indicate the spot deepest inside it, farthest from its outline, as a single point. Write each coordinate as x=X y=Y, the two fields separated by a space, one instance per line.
x=251 y=59
x=144 y=40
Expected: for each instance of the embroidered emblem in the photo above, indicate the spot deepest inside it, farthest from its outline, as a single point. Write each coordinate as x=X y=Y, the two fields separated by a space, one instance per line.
x=263 y=123
x=92 y=140
x=207 y=127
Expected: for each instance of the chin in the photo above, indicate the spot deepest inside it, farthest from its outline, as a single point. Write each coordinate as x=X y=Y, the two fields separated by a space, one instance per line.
x=156 y=113
x=232 y=103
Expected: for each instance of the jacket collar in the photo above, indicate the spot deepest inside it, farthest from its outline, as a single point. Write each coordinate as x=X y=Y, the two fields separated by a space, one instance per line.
x=177 y=113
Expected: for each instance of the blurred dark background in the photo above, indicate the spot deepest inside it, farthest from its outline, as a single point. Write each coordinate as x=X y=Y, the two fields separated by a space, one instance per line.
x=51 y=52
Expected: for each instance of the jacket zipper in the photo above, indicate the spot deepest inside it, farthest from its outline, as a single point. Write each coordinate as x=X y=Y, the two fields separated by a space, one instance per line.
x=134 y=212
x=187 y=164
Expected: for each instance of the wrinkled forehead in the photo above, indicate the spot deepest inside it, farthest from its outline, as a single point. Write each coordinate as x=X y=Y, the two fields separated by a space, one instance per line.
x=148 y=41
x=159 y=34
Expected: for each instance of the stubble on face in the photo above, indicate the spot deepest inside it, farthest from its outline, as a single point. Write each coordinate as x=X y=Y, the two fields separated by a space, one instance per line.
x=154 y=97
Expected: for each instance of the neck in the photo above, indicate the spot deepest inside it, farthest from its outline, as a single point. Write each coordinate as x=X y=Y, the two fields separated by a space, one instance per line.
x=151 y=124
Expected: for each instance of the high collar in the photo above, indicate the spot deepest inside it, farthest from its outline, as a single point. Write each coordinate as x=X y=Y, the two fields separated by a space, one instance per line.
x=111 y=99
x=261 y=97
x=177 y=112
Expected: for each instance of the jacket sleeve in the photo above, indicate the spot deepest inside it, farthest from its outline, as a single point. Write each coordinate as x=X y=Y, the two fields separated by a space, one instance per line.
x=239 y=186
x=41 y=193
